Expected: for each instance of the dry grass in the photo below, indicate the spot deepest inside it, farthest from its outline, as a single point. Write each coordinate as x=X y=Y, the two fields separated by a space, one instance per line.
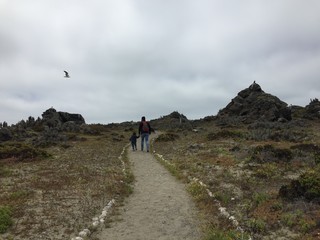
x=56 y=197
x=245 y=175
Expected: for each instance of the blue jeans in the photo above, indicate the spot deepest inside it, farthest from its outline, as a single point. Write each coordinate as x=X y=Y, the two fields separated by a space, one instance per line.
x=145 y=138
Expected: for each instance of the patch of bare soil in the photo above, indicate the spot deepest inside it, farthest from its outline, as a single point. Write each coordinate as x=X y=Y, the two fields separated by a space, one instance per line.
x=159 y=208
x=56 y=197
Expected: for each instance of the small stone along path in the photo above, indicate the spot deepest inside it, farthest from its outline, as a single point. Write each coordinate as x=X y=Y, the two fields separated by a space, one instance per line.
x=159 y=207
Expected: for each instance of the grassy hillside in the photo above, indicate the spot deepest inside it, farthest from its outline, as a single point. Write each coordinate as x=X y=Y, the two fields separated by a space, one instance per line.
x=245 y=166
x=53 y=192
x=258 y=179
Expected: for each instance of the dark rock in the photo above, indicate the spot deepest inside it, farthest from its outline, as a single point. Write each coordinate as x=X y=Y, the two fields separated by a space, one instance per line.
x=312 y=111
x=52 y=118
x=253 y=104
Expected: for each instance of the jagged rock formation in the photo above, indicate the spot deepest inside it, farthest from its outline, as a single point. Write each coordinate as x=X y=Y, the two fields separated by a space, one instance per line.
x=52 y=118
x=253 y=104
x=312 y=111
x=55 y=125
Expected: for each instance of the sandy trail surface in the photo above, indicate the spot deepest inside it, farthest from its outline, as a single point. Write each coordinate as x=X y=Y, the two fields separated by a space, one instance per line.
x=159 y=208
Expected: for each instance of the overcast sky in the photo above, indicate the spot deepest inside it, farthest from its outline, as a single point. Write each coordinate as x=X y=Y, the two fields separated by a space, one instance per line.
x=129 y=58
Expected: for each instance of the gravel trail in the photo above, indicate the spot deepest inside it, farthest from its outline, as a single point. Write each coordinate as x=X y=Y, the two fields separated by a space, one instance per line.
x=159 y=207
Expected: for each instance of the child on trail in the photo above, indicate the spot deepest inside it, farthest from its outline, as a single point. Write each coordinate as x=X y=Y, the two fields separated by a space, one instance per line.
x=133 y=140
x=144 y=131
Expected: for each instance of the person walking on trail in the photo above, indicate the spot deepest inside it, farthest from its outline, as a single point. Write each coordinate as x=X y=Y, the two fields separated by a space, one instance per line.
x=144 y=131
x=133 y=140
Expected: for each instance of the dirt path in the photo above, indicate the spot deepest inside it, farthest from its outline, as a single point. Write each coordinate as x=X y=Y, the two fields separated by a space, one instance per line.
x=159 y=207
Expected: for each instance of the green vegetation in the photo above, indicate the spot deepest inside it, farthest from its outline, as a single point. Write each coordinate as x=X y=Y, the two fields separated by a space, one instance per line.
x=66 y=190
x=268 y=153
x=217 y=234
x=310 y=181
x=197 y=191
x=20 y=151
x=167 y=137
x=267 y=170
x=234 y=134
x=257 y=225
x=4 y=171
x=259 y=198
x=307 y=186
x=5 y=219
x=298 y=220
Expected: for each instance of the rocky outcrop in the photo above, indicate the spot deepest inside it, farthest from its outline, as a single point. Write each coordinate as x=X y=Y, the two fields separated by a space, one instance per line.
x=52 y=118
x=312 y=111
x=253 y=104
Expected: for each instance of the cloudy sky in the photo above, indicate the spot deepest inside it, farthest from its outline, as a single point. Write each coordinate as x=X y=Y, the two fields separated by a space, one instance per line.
x=129 y=58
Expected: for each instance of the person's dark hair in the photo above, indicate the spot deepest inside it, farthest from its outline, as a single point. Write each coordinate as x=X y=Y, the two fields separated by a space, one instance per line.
x=143 y=118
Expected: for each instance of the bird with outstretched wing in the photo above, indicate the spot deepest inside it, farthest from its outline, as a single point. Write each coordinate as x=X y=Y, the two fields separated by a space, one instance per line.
x=66 y=74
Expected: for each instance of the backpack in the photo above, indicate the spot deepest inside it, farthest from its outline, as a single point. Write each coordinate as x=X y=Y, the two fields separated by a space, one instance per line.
x=145 y=127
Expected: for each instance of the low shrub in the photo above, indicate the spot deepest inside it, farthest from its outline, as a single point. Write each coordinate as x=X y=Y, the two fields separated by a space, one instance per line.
x=20 y=151
x=4 y=171
x=259 y=198
x=268 y=153
x=167 y=137
x=310 y=181
x=218 y=234
x=307 y=186
x=262 y=131
x=257 y=225
x=225 y=134
x=197 y=191
x=267 y=171
x=298 y=220
x=5 y=219
x=311 y=151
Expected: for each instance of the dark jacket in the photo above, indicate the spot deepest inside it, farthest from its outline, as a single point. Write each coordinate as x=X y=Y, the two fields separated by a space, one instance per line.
x=133 y=138
x=141 y=130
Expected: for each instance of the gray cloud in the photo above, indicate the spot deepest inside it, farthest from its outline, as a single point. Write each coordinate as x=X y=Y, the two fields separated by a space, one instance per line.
x=137 y=57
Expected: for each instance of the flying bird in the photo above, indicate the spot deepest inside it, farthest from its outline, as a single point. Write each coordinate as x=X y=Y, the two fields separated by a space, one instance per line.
x=66 y=74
